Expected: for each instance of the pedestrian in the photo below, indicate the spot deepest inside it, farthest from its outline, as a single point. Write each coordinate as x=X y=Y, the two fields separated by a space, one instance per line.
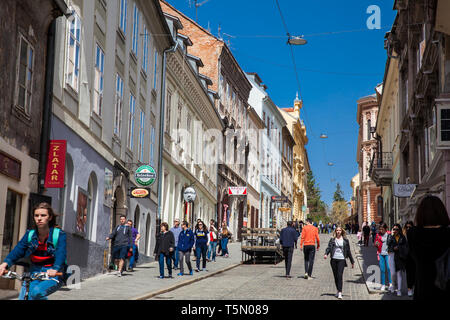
x=360 y=237
x=225 y=236
x=219 y=240
x=329 y=227
x=201 y=244
x=164 y=249
x=381 y=242
x=410 y=265
x=366 y=233
x=397 y=244
x=288 y=237
x=185 y=243
x=339 y=249
x=38 y=245
x=122 y=243
x=429 y=243
x=211 y=256
x=134 y=254
x=308 y=241
x=176 y=230
x=320 y=226
x=373 y=229
x=300 y=226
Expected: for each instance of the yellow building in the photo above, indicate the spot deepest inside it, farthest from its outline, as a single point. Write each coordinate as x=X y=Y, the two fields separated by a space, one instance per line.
x=301 y=164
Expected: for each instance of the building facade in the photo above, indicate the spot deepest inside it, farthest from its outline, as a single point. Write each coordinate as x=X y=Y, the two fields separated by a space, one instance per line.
x=300 y=163
x=371 y=201
x=106 y=101
x=26 y=59
x=233 y=89
x=192 y=129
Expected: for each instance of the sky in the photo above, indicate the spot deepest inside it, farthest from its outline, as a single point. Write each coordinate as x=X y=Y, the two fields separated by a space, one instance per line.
x=342 y=62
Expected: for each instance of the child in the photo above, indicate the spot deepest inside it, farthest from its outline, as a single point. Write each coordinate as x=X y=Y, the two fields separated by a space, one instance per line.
x=359 y=235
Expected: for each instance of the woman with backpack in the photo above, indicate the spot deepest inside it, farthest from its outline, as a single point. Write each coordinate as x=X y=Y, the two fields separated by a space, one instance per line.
x=339 y=249
x=398 y=246
x=45 y=246
x=429 y=243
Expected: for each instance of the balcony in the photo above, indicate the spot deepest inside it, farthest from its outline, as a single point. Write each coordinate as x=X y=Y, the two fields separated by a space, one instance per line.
x=381 y=168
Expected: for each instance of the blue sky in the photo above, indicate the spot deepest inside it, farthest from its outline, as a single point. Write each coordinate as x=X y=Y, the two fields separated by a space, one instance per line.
x=342 y=62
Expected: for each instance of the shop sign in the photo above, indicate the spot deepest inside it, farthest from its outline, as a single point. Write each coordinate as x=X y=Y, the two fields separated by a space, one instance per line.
x=10 y=167
x=404 y=190
x=140 y=192
x=145 y=175
x=54 y=175
x=237 y=191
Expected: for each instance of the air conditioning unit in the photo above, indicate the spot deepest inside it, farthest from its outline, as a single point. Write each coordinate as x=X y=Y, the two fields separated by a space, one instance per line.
x=443 y=123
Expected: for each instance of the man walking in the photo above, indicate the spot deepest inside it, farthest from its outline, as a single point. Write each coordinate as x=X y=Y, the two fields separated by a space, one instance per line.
x=135 y=238
x=366 y=233
x=176 y=230
x=122 y=238
x=288 y=237
x=185 y=244
x=310 y=235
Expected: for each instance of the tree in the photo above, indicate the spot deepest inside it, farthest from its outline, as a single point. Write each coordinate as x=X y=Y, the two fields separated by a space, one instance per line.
x=339 y=212
x=338 y=194
x=315 y=204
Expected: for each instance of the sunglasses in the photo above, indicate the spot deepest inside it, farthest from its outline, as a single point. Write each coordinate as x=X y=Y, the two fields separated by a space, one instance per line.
x=396 y=229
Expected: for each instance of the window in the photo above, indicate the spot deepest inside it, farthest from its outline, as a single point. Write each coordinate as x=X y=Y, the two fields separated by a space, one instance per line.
x=73 y=52
x=369 y=124
x=135 y=37
x=167 y=115
x=123 y=16
x=152 y=145
x=179 y=123
x=25 y=63
x=155 y=70
x=141 y=136
x=118 y=107
x=98 y=80
x=131 y=122
x=145 y=50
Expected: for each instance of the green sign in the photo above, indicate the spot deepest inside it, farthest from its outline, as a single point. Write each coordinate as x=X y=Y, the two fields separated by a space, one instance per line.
x=145 y=175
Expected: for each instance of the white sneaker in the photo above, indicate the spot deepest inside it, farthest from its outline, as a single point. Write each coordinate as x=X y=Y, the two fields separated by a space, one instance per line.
x=410 y=292
x=383 y=288
x=340 y=295
x=391 y=288
x=399 y=293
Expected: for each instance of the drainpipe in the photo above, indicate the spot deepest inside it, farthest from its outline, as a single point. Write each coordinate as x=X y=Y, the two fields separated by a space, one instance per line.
x=48 y=96
x=161 y=132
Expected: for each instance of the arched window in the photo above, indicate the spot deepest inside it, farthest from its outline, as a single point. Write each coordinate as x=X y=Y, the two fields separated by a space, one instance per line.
x=380 y=206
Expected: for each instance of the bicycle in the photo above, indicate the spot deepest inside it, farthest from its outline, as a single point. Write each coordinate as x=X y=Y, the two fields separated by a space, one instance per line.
x=27 y=277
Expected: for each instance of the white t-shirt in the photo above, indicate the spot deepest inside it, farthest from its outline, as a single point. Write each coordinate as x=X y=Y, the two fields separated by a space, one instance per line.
x=384 y=246
x=339 y=252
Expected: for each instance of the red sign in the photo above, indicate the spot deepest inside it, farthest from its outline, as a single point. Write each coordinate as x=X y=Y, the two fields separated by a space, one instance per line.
x=237 y=191
x=54 y=176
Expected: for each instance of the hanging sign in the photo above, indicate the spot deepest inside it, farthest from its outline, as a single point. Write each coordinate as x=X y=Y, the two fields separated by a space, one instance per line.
x=145 y=175
x=237 y=191
x=54 y=175
x=140 y=192
x=404 y=190
x=189 y=194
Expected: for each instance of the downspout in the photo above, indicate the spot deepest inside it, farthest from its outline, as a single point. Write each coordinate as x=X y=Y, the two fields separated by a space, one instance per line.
x=161 y=132
x=48 y=99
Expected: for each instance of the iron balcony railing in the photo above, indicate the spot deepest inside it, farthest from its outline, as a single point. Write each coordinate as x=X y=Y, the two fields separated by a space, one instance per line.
x=380 y=160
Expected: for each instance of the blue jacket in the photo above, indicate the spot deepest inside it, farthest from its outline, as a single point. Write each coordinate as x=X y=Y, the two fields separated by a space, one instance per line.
x=288 y=237
x=185 y=240
x=24 y=249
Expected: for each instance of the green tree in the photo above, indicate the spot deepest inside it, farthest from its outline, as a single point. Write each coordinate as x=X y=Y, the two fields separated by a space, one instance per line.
x=339 y=212
x=317 y=207
x=338 y=194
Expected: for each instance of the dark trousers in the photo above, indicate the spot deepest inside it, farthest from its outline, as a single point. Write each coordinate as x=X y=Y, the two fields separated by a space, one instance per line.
x=200 y=252
x=287 y=253
x=168 y=259
x=338 y=265
x=366 y=240
x=309 y=253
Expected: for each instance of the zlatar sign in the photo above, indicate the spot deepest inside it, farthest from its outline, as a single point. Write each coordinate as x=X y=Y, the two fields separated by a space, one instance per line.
x=54 y=175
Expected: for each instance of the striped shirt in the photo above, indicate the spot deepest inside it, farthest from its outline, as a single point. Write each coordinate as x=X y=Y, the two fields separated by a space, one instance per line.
x=41 y=257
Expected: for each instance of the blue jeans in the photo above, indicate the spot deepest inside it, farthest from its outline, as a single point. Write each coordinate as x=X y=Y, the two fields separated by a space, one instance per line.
x=168 y=259
x=133 y=257
x=200 y=251
x=384 y=266
x=224 y=244
x=175 y=258
x=39 y=290
x=212 y=249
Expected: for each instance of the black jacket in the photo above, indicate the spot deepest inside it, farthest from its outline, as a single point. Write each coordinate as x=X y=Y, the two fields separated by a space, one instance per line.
x=288 y=237
x=347 y=253
x=401 y=253
x=164 y=242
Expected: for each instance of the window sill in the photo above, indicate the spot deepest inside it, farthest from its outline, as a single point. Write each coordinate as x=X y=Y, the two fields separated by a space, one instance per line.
x=116 y=139
x=133 y=56
x=121 y=35
x=154 y=94
x=22 y=115
x=71 y=91
x=96 y=118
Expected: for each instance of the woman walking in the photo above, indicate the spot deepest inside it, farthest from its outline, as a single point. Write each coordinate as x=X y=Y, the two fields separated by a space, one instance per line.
x=164 y=249
x=47 y=254
x=429 y=240
x=201 y=244
x=410 y=265
x=212 y=244
x=225 y=235
x=381 y=241
x=398 y=246
x=339 y=249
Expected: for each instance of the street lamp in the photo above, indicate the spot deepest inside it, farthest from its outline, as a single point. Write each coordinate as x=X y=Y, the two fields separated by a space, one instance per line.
x=323 y=136
x=296 y=40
